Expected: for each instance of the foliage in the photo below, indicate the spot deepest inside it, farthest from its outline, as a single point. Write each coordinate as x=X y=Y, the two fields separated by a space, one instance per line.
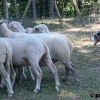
x=66 y=8
x=1 y=9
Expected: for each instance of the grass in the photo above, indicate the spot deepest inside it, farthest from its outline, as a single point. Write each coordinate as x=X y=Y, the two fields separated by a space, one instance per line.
x=86 y=59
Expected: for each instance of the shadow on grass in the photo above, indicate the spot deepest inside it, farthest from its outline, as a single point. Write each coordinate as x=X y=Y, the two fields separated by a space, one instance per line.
x=53 y=24
x=86 y=58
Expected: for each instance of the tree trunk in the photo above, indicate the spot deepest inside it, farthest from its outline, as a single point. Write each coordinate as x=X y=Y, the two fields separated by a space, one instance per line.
x=78 y=12
x=16 y=10
x=6 y=10
x=34 y=9
x=61 y=22
x=51 y=2
x=26 y=9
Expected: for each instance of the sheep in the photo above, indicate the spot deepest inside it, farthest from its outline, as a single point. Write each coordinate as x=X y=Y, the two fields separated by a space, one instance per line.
x=16 y=26
x=6 y=60
x=40 y=28
x=30 y=52
x=27 y=30
x=57 y=43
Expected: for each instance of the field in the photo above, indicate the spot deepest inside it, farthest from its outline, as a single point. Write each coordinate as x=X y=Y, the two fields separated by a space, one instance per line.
x=85 y=57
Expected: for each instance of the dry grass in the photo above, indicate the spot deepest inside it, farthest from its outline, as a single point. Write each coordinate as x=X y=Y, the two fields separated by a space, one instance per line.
x=86 y=59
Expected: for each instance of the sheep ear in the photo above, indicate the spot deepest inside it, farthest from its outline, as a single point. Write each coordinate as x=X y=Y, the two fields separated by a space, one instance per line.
x=3 y=21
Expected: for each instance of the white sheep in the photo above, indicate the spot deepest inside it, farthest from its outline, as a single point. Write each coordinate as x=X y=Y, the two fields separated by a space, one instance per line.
x=57 y=43
x=40 y=28
x=30 y=52
x=16 y=26
x=27 y=30
x=6 y=59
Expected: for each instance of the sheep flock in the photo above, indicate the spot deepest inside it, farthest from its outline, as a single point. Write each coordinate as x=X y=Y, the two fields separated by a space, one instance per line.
x=32 y=48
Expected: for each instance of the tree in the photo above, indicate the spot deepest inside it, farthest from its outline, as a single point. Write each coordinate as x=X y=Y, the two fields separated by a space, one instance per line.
x=34 y=9
x=6 y=10
x=78 y=12
x=61 y=22
x=26 y=9
x=51 y=2
x=16 y=10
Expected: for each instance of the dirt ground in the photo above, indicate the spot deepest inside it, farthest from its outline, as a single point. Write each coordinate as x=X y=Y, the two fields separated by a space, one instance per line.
x=86 y=58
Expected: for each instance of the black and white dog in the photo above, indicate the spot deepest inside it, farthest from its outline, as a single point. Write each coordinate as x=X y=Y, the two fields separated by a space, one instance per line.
x=96 y=37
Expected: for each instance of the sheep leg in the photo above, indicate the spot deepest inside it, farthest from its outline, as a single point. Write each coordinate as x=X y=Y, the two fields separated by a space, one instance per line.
x=7 y=67
x=51 y=66
x=20 y=76
x=38 y=72
x=30 y=72
x=71 y=67
x=66 y=75
x=23 y=73
x=6 y=77
x=13 y=75
x=2 y=82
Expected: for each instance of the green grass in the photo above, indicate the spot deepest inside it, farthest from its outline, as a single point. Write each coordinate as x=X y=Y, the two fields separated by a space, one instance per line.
x=86 y=58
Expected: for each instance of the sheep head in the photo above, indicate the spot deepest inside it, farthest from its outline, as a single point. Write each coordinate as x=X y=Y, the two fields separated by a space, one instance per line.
x=41 y=28
x=16 y=26
x=28 y=30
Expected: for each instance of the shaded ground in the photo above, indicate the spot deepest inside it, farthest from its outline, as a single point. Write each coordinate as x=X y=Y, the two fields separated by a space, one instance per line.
x=85 y=57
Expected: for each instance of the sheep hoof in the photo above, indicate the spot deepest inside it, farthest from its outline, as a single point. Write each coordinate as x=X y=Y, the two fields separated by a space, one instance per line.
x=24 y=76
x=64 y=78
x=57 y=88
x=77 y=83
x=36 y=90
x=32 y=78
x=10 y=95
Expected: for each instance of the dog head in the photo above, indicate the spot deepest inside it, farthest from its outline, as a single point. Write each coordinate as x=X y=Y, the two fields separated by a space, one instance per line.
x=96 y=37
